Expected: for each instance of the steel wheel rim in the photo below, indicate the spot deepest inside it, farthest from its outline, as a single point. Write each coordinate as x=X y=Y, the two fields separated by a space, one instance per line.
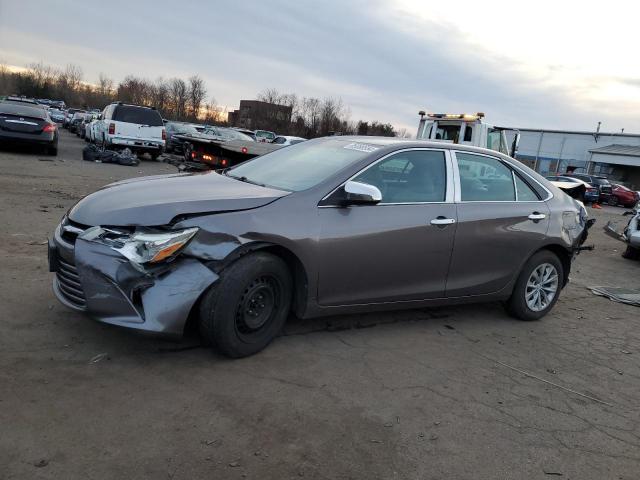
x=542 y=287
x=257 y=306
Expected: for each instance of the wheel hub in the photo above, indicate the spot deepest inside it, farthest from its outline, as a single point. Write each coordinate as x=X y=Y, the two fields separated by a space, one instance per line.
x=256 y=306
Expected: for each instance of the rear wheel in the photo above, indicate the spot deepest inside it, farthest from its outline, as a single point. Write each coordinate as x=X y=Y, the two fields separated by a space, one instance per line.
x=613 y=200
x=537 y=288
x=53 y=151
x=248 y=306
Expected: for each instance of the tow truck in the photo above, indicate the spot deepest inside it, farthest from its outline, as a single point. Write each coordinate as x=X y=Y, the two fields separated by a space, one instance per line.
x=465 y=129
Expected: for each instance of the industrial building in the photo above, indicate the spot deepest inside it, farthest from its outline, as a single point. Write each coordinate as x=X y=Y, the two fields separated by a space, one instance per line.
x=615 y=155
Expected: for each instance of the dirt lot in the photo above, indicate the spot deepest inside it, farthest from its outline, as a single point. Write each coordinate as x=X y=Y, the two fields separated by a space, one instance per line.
x=461 y=393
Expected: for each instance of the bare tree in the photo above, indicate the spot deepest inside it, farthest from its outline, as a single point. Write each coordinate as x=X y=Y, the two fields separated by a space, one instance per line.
x=178 y=98
x=196 y=95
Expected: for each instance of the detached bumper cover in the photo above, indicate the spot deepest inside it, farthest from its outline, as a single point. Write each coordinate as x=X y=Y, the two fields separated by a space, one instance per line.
x=115 y=292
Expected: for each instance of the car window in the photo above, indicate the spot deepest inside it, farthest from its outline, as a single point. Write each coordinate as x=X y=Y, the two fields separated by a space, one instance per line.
x=524 y=193
x=280 y=140
x=484 y=179
x=409 y=177
x=137 y=115
x=468 y=133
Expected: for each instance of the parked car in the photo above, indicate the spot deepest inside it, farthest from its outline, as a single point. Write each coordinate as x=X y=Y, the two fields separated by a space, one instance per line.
x=56 y=115
x=69 y=116
x=330 y=226
x=174 y=143
x=28 y=124
x=264 y=136
x=75 y=121
x=22 y=99
x=249 y=133
x=138 y=128
x=603 y=185
x=621 y=195
x=285 y=140
x=90 y=133
x=584 y=191
x=220 y=147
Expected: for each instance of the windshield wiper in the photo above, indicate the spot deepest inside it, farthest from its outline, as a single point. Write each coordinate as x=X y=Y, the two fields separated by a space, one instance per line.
x=243 y=179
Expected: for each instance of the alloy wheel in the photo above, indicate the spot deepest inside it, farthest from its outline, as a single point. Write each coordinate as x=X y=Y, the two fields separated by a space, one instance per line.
x=542 y=287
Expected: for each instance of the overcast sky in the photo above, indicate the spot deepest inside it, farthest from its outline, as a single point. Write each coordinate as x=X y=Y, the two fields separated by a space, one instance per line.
x=547 y=64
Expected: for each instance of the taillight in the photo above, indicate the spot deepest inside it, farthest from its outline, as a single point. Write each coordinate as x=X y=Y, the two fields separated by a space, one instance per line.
x=244 y=150
x=112 y=129
x=49 y=127
x=164 y=134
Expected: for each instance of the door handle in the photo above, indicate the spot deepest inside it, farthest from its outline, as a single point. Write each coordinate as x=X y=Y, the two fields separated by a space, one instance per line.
x=443 y=221
x=535 y=216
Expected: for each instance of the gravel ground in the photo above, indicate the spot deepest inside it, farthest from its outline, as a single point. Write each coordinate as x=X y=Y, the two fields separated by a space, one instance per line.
x=461 y=393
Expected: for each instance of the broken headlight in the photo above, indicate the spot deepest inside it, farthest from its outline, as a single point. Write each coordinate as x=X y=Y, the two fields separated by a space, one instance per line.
x=153 y=246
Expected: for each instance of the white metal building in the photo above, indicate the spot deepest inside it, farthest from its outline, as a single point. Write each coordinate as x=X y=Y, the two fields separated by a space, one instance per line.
x=616 y=155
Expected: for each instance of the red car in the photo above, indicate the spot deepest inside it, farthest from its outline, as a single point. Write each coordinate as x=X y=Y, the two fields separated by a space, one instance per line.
x=623 y=196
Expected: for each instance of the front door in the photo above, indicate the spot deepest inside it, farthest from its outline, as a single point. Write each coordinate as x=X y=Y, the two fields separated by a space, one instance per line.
x=398 y=249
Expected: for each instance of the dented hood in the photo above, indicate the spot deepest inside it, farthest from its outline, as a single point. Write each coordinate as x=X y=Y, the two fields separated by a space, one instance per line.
x=155 y=201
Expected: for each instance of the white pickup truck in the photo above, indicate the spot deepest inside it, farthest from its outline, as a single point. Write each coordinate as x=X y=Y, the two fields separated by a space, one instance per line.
x=139 y=128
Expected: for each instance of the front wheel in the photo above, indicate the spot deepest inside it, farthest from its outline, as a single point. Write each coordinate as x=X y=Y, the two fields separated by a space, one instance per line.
x=248 y=306
x=537 y=288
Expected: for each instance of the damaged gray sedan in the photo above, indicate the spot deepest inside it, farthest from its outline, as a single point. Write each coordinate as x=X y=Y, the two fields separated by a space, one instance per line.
x=330 y=226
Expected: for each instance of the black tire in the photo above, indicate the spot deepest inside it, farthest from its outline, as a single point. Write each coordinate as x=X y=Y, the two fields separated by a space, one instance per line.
x=186 y=152
x=53 y=151
x=517 y=304
x=613 y=200
x=631 y=253
x=227 y=322
x=154 y=156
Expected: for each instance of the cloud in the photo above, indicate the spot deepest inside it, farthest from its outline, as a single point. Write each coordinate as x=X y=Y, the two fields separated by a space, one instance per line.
x=385 y=62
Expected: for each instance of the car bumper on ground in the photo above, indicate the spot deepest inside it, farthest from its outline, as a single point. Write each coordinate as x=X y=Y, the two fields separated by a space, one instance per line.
x=91 y=277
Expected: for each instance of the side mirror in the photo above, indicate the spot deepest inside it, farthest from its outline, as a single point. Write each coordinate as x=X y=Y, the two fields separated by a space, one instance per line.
x=358 y=193
x=514 y=145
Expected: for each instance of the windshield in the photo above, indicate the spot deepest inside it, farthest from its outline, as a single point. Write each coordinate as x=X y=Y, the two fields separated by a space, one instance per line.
x=600 y=181
x=302 y=166
x=228 y=134
x=185 y=129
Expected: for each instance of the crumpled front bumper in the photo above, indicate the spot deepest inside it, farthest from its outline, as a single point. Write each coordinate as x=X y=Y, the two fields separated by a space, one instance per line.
x=93 y=278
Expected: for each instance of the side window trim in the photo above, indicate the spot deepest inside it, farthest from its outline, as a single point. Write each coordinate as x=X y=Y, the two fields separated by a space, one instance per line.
x=449 y=172
x=525 y=178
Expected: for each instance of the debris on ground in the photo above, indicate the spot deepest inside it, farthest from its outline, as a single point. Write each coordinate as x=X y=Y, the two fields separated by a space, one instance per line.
x=93 y=153
x=618 y=294
x=99 y=357
x=41 y=463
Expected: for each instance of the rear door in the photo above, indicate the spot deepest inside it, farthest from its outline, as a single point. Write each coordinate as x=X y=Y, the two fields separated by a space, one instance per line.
x=501 y=221
x=396 y=250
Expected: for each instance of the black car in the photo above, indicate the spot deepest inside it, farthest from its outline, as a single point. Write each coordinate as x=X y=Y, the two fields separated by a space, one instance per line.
x=26 y=124
x=601 y=183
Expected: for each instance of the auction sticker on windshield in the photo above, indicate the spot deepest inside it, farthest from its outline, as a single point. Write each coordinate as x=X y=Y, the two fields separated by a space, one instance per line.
x=362 y=147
